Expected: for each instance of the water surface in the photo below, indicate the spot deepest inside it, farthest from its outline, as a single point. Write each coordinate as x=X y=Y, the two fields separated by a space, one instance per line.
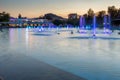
x=79 y=54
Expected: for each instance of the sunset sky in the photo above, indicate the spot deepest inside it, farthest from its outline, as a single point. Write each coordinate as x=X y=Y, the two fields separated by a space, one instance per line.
x=35 y=8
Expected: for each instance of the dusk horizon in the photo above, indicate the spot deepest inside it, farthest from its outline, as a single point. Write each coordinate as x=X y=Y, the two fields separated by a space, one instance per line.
x=59 y=39
x=36 y=8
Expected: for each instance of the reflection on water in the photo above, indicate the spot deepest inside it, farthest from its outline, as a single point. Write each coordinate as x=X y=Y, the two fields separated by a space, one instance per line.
x=89 y=37
x=94 y=59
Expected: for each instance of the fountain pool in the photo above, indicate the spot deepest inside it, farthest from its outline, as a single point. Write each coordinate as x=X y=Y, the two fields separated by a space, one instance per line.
x=90 y=58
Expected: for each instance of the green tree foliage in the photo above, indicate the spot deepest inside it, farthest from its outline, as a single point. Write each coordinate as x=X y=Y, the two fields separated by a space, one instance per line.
x=113 y=11
x=4 y=17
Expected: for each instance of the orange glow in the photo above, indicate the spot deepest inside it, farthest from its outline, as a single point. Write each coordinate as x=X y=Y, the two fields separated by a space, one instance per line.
x=36 y=8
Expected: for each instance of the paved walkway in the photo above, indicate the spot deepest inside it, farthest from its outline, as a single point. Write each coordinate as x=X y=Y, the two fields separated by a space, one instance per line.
x=21 y=67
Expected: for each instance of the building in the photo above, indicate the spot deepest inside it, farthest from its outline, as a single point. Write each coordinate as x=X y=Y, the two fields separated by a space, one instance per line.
x=22 y=22
x=73 y=16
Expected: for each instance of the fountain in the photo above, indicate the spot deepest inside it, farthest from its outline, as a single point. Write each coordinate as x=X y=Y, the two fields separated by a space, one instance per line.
x=107 y=23
x=82 y=24
x=94 y=25
x=83 y=28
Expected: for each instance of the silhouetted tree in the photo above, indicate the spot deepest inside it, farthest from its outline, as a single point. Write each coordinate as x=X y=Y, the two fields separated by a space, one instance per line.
x=100 y=18
x=19 y=16
x=74 y=22
x=58 y=22
x=41 y=17
x=85 y=15
x=73 y=19
x=90 y=16
x=90 y=13
x=4 y=17
x=113 y=11
x=118 y=13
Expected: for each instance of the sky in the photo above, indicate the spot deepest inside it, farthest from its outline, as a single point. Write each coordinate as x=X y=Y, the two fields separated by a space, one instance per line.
x=35 y=8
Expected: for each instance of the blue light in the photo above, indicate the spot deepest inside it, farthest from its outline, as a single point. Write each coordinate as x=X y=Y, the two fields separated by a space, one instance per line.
x=88 y=27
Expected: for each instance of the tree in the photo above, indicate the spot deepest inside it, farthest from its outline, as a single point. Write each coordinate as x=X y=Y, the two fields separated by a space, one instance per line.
x=101 y=13
x=74 y=22
x=19 y=16
x=90 y=16
x=113 y=11
x=90 y=13
x=73 y=19
x=58 y=22
x=4 y=17
x=100 y=18
x=41 y=17
x=118 y=13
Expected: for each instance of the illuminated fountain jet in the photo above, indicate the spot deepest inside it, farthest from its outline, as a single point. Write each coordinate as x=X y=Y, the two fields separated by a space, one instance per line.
x=94 y=26
x=82 y=24
x=107 y=23
x=41 y=29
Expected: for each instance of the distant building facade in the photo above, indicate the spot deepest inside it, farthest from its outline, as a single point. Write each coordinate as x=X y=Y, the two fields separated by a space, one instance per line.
x=23 y=21
x=73 y=16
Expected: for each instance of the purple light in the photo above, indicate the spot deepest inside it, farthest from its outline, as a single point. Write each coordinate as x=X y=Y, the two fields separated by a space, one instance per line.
x=82 y=25
x=94 y=25
x=82 y=22
x=107 y=23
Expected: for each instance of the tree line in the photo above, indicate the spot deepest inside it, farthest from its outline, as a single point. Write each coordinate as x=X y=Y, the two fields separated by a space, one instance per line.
x=4 y=17
x=112 y=11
